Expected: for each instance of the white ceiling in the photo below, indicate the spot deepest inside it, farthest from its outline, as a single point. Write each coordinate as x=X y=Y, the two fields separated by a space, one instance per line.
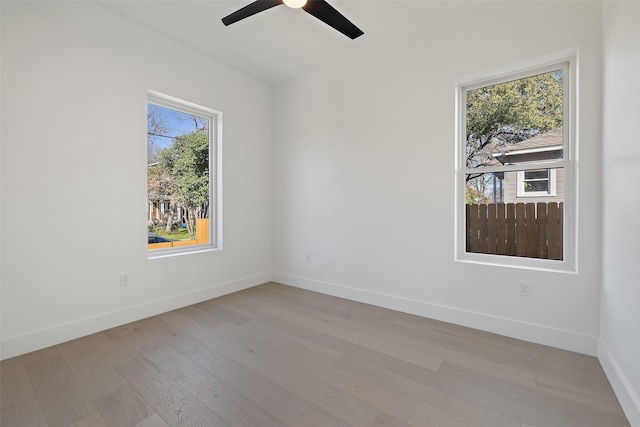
x=277 y=44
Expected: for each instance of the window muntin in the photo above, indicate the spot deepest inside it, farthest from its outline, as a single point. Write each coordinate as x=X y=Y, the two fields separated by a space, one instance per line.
x=521 y=163
x=183 y=183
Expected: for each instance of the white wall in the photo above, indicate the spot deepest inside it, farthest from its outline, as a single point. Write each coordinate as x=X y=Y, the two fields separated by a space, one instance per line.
x=619 y=349
x=362 y=169
x=74 y=86
x=364 y=173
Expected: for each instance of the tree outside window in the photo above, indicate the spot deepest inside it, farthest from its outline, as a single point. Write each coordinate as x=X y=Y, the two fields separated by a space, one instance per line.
x=180 y=179
x=512 y=160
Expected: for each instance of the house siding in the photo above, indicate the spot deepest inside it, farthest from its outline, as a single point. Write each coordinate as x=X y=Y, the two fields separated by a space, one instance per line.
x=511 y=191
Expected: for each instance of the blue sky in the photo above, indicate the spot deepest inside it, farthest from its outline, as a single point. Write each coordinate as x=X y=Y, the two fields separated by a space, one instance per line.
x=175 y=122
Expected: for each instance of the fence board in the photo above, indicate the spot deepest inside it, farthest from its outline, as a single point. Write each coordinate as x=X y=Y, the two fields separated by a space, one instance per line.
x=561 y=227
x=201 y=237
x=521 y=234
x=491 y=229
x=472 y=234
x=468 y=228
x=501 y=230
x=516 y=229
x=552 y=230
x=511 y=229
x=530 y=229
x=542 y=248
x=482 y=227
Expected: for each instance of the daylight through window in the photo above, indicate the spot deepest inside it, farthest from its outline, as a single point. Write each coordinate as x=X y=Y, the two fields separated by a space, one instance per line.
x=514 y=158
x=181 y=175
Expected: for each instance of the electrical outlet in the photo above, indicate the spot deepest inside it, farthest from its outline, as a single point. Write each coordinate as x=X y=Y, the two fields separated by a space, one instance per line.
x=125 y=280
x=525 y=289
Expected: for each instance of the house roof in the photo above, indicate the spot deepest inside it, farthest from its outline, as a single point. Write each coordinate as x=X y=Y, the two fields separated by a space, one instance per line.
x=545 y=142
x=551 y=140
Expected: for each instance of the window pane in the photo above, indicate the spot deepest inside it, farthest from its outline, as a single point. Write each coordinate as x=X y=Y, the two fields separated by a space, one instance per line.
x=502 y=221
x=516 y=121
x=512 y=149
x=485 y=188
x=537 y=174
x=536 y=186
x=178 y=189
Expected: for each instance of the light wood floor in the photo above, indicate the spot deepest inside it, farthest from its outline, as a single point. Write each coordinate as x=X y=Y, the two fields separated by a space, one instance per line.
x=280 y=356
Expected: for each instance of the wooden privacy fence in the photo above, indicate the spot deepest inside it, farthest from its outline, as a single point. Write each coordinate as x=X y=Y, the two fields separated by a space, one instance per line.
x=202 y=237
x=517 y=229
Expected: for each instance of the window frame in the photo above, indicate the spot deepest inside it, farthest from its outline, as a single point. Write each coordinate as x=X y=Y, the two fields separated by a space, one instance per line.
x=520 y=180
x=215 y=173
x=567 y=62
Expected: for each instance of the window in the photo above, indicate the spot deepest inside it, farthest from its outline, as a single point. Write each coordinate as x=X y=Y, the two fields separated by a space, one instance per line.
x=536 y=183
x=183 y=176
x=514 y=199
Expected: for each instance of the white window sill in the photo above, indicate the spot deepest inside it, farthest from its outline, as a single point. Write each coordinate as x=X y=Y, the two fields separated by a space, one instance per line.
x=517 y=262
x=166 y=253
x=524 y=196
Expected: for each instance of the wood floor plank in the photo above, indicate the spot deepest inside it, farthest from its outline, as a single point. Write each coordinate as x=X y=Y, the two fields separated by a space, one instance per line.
x=59 y=392
x=481 y=403
x=40 y=356
x=474 y=341
x=367 y=341
x=428 y=394
x=306 y=300
x=385 y=420
x=428 y=416
x=341 y=405
x=233 y=407
x=296 y=338
x=499 y=349
x=26 y=412
x=93 y=420
x=222 y=312
x=274 y=356
x=590 y=389
x=298 y=358
x=94 y=373
x=173 y=403
x=279 y=350
x=585 y=413
x=277 y=400
x=153 y=421
x=123 y=407
x=112 y=347
x=465 y=356
x=16 y=386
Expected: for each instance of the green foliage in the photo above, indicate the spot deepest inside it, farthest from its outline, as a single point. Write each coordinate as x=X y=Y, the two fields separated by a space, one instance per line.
x=187 y=161
x=178 y=233
x=510 y=112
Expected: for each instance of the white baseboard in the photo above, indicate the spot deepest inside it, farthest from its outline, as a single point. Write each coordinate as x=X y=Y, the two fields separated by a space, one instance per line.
x=539 y=334
x=628 y=398
x=36 y=340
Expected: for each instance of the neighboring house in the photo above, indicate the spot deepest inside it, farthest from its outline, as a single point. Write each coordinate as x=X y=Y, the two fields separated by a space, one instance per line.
x=160 y=209
x=531 y=186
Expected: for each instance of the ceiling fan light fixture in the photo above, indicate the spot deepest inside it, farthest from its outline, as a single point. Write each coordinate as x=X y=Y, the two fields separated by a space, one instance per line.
x=317 y=8
x=295 y=4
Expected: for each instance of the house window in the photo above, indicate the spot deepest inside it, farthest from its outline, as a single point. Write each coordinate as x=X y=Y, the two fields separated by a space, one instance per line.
x=536 y=183
x=515 y=169
x=183 y=176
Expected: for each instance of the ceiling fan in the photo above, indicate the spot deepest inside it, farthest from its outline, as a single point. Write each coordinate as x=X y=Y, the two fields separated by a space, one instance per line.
x=318 y=8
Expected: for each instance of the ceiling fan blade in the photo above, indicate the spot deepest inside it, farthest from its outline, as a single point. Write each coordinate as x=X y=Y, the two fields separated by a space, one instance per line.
x=327 y=14
x=250 y=9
